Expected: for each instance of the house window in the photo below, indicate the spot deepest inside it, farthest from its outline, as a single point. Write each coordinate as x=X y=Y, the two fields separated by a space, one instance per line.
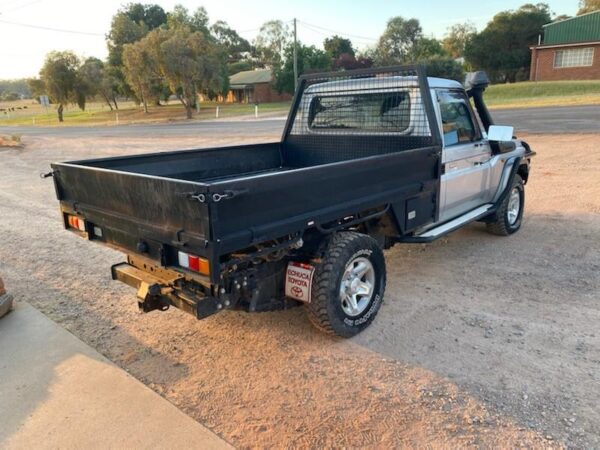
x=576 y=57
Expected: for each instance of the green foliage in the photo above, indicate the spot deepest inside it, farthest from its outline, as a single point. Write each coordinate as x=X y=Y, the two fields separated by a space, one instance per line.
x=310 y=59
x=337 y=46
x=241 y=66
x=502 y=48
x=351 y=62
x=586 y=6
x=188 y=62
x=140 y=69
x=231 y=42
x=270 y=43
x=9 y=96
x=59 y=75
x=457 y=37
x=180 y=18
x=403 y=42
x=427 y=48
x=153 y=16
x=37 y=87
x=444 y=67
x=123 y=31
x=129 y=25
x=19 y=87
x=398 y=41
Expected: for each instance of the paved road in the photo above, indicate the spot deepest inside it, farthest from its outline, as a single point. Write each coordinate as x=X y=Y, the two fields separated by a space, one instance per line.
x=564 y=119
x=207 y=128
x=569 y=119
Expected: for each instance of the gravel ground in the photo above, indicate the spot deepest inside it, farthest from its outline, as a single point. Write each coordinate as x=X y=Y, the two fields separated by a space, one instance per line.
x=482 y=340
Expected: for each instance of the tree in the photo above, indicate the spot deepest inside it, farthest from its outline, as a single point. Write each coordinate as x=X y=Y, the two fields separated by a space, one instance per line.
x=397 y=43
x=271 y=41
x=37 y=87
x=153 y=16
x=586 y=6
x=232 y=43
x=59 y=75
x=95 y=81
x=180 y=18
x=129 y=25
x=140 y=70
x=427 y=48
x=444 y=67
x=337 y=46
x=310 y=59
x=189 y=62
x=457 y=37
x=502 y=48
x=351 y=62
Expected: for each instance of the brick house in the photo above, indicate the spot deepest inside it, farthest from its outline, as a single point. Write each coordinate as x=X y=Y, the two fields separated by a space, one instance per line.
x=254 y=86
x=570 y=50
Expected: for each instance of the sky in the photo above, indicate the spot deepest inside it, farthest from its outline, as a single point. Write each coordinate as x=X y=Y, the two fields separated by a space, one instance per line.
x=22 y=48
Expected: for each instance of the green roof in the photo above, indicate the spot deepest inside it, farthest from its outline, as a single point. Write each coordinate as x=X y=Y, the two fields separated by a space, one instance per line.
x=584 y=28
x=250 y=77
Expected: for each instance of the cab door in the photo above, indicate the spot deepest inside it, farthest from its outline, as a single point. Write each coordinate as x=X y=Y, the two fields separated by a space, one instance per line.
x=465 y=156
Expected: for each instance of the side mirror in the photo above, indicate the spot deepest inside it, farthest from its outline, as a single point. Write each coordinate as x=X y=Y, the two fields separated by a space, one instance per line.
x=500 y=138
x=500 y=133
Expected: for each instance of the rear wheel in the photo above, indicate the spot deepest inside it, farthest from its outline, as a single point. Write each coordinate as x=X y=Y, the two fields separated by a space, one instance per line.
x=510 y=213
x=348 y=285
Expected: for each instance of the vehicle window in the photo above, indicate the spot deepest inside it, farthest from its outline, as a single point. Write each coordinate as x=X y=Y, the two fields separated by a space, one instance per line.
x=457 y=122
x=384 y=112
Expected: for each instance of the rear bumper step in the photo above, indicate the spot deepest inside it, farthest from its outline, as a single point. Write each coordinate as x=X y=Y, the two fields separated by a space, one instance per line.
x=158 y=293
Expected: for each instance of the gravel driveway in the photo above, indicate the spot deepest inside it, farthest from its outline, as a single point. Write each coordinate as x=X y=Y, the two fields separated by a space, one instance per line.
x=481 y=340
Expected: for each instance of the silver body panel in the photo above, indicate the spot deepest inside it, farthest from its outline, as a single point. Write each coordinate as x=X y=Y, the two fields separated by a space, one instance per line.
x=472 y=176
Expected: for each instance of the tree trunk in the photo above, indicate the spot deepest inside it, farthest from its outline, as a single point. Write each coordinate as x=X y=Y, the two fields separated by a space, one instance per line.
x=60 y=112
x=188 y=110
x=107 y=100
x=145 y=106
x=114 y=99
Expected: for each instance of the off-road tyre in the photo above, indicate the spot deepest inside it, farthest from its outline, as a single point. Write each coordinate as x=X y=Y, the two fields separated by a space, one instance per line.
x=325 y=309
x=502 y=225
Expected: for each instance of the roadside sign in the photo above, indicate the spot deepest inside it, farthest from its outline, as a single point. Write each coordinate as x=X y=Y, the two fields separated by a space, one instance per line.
x=44 y=101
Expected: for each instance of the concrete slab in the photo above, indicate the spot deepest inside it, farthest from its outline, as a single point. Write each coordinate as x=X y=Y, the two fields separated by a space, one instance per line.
x=56 y=391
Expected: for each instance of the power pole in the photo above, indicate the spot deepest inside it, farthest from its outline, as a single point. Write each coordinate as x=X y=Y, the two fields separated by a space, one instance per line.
x=295 y=58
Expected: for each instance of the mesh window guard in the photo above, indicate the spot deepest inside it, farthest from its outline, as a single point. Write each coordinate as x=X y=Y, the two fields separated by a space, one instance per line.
x=357 y=114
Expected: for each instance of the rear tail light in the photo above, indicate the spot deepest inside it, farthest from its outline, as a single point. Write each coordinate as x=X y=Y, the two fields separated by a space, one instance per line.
x=193 y=263
x=76 y=222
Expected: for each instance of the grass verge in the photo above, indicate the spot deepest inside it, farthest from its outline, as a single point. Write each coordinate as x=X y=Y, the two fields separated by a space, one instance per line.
x=544 y=93
x=128 y=113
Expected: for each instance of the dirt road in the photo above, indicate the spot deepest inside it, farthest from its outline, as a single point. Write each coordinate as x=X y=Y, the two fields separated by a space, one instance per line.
x=481 y=340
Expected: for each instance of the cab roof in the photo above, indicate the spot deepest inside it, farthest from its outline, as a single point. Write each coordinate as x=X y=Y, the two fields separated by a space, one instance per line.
x=380 y=83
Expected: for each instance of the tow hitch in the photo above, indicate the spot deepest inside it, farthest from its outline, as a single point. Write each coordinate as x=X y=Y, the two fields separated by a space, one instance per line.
x=155 y=293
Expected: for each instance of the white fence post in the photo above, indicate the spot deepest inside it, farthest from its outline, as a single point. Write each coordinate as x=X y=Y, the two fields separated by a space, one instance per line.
x=217 y=112
x=256 y=111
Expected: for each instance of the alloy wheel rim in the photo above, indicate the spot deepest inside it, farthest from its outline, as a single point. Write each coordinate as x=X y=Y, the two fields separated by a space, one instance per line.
x=514 y=205
x=357 y=286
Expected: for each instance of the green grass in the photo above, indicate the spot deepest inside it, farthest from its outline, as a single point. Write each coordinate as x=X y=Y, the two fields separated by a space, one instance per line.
x=97 y=113
x=543 y=93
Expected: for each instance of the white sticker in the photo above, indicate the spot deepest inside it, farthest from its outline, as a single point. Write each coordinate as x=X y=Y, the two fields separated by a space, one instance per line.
x=298 y=281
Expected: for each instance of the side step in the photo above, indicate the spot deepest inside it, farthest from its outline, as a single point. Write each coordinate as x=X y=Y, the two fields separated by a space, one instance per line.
x=448 y=227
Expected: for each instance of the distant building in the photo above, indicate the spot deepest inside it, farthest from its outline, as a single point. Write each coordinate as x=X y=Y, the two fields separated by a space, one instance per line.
x=254 y=86
x=570 y=50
